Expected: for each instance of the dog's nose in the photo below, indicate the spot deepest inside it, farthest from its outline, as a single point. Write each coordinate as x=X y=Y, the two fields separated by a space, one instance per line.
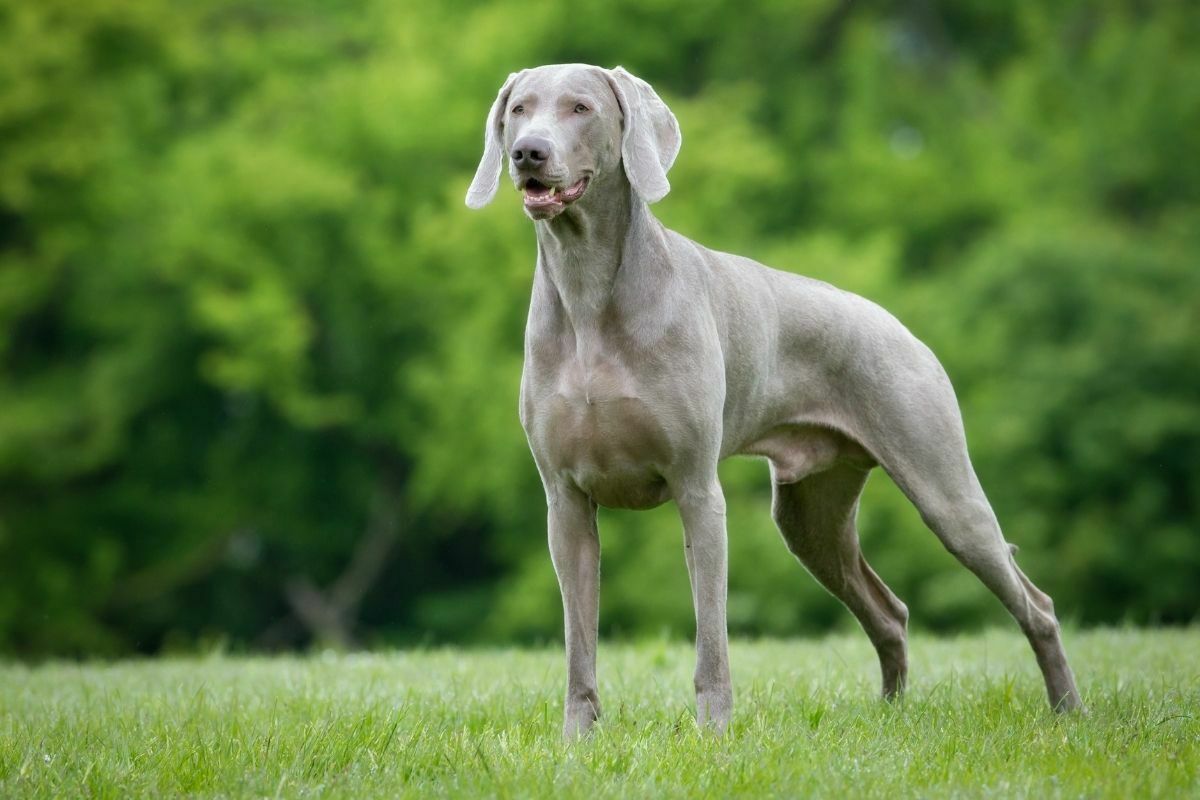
x=530 y=151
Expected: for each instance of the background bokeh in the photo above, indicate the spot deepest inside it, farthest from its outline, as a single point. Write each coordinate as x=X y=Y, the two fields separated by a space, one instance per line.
x=259 y=364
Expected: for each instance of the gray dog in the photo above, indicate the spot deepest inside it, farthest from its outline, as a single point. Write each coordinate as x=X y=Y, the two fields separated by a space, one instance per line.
x=649 y=358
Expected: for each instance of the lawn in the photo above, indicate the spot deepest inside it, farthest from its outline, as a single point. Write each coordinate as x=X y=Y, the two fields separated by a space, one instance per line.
x=485 y=723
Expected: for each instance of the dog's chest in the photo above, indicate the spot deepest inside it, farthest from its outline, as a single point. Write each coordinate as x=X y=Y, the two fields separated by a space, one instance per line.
x=596 y=424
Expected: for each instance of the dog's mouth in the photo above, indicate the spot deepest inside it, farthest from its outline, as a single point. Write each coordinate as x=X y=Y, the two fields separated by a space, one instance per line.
x=543 y=202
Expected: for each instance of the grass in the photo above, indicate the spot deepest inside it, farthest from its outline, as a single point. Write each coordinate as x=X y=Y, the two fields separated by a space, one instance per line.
x=485 y=723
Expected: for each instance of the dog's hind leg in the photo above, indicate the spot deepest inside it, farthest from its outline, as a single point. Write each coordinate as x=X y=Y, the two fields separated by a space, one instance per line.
x=923 y=447
x=816 y=517
x=963 y=519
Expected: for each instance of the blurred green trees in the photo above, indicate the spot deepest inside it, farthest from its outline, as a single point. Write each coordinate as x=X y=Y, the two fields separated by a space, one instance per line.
x=259 y=365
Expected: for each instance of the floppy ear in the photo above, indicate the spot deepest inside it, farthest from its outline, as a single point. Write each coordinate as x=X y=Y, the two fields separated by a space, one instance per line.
x=487 y=174
x=650 y=139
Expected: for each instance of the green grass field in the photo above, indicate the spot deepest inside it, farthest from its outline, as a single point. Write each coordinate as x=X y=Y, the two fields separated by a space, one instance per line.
x=485 y=723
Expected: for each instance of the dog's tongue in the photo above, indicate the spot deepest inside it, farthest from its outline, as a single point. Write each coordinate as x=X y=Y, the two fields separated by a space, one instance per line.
x=541 y=197
x=572 y=192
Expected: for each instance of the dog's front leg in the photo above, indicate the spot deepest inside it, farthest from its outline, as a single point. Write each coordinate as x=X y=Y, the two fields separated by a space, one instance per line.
x=706 y=550
x=575 y=550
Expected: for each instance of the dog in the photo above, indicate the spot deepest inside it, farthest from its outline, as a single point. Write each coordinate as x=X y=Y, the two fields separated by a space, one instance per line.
x=650 y=358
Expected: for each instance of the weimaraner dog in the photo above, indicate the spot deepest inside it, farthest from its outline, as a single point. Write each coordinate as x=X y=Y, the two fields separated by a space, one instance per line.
x=649 y=358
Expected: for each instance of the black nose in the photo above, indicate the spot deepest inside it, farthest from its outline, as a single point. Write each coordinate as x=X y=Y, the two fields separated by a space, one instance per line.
x=530 y=151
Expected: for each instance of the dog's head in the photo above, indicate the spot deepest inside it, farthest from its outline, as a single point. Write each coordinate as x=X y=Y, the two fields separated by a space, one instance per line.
x=563 y=128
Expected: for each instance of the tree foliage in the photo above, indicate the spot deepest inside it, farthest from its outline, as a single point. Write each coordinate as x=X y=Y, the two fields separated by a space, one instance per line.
x=244 y=315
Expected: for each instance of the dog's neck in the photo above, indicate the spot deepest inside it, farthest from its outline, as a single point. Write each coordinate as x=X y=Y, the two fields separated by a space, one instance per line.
x=582 y=250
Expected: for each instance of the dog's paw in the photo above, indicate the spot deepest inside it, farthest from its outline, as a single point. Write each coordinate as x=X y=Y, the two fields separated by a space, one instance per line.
x=714 y=707
x=578 y=718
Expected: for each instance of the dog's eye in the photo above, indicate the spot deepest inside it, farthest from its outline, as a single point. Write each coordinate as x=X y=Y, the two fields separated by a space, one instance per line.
x=580 y=108
x=518 y=109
